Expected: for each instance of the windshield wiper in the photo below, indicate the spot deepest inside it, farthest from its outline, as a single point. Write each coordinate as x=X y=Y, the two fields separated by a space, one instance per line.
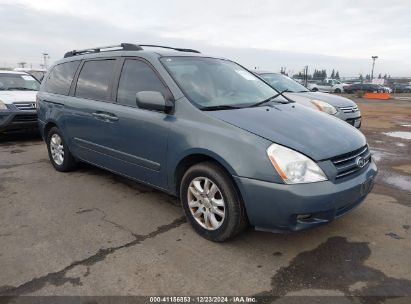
x=19 y=89
x=220 y=107
x=271 y=98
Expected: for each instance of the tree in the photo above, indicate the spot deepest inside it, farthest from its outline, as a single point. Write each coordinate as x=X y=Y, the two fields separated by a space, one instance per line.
x=385 y=76
x=379 y=76
x=368 y=77
x=333 y=74
x=337 y=75
x=361 y=77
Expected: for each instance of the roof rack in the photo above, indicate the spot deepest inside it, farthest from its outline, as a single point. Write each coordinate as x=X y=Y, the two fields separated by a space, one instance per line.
x=170 y=48
x=120 y=47
x=123 y=47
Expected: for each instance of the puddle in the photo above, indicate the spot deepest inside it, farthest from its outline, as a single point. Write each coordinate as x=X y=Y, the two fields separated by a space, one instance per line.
x=343 y=265
x=378 y=154
x=408 y=126
x=399 y=181
x=399 y=134
x=400 y=144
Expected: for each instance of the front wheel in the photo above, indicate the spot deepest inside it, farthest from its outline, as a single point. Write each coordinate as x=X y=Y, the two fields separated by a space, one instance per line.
x=59 y=154
x=338 y=91
x=211 y=202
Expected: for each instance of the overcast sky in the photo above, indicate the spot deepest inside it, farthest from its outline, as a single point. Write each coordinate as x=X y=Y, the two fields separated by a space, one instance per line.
x=266 y=34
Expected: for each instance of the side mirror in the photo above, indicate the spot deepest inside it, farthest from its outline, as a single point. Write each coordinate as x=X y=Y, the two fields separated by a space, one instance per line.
x=152 y=100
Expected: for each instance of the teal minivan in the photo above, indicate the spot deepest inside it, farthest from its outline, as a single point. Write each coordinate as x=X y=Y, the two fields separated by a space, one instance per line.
x=207 y=130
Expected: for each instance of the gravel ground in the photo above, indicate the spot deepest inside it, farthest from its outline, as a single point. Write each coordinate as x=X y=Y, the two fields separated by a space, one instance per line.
x=93 y=233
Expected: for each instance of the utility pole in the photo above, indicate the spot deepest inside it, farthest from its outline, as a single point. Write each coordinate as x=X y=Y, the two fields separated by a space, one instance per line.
x=22 y=64
x=373 y=64
x=306 y=75
x=45 y=58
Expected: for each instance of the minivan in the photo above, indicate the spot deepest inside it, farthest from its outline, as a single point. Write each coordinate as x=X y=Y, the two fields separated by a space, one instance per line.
x=207 y=130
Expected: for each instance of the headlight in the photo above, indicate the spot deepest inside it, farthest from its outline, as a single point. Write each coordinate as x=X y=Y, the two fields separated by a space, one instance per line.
x=3 y=106
x=324 y=106
x=294 y=167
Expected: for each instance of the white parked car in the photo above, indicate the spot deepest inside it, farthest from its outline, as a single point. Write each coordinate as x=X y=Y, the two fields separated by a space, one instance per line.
x=328 y=86
x=17 y=100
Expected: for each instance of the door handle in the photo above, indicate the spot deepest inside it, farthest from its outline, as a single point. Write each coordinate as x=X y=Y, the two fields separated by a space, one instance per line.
x=105 y=116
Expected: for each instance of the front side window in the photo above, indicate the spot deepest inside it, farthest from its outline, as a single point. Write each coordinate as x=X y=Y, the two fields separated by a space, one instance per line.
x=283 y=83
x=18 y=82
x=60 y=78
x=137 y=76
x=94 y=79
x=211 y=82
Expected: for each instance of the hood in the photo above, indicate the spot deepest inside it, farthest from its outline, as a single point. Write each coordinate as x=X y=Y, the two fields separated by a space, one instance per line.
x=334 y=100
x=8 y=97
x=313 y=133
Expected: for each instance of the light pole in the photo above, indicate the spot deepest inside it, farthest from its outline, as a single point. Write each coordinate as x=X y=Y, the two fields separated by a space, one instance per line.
x=373 y=64
x=45 y=58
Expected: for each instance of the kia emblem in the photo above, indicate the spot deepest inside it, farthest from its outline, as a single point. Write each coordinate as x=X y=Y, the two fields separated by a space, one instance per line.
x=360 y=161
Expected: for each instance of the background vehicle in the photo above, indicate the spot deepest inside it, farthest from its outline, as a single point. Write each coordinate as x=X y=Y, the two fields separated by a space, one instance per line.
x=365 y=87
x=17 y=100
x=327 y=85
x=401 y=88
x=341 y=107
x=36 y=73
x=207 y=130
x=386 y=89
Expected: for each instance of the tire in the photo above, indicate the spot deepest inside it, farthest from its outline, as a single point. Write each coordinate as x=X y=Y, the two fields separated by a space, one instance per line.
x=59 y=154
x=229 y=220
x=314 y=90
x=338 y=91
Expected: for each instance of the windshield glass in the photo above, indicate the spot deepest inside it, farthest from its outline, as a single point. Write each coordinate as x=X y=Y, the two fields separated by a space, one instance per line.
x=281 y=82
x=211 y=82
x=18 y=82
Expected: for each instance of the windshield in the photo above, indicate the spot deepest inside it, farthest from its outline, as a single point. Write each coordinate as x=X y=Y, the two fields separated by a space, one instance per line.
x=18 y=82
x=281 y=82
x=211 y=82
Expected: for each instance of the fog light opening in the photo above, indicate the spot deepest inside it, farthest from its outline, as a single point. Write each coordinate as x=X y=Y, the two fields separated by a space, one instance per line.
x=304 y=217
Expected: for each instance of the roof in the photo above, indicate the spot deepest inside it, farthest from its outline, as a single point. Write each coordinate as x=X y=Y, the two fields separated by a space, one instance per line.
x=12 y=72
x=151 y=53
x=265 y=72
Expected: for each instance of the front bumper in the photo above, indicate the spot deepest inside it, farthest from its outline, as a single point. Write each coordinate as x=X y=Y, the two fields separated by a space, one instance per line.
x=17 y=119
x=353 y=119
x=273 y=206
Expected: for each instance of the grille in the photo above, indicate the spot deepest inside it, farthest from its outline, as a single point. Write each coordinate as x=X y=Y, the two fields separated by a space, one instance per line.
x=346 y=164
x=349 y=109
x=25 y=105
x=25 y=118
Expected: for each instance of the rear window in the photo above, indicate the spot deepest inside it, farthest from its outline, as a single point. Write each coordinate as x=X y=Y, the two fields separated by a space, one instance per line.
x=94 y=79
x=60 y=78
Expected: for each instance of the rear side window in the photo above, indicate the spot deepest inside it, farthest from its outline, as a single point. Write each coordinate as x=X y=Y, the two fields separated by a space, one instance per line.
x=60 y=78
x=94 y=79
x=137 y=76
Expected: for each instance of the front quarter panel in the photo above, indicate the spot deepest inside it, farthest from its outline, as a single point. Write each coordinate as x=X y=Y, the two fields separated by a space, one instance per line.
x=193 y=132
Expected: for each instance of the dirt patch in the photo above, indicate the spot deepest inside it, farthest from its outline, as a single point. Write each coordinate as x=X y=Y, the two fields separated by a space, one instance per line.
x=404 y=168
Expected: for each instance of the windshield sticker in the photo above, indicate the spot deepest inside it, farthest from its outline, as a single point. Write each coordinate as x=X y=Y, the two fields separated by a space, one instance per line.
x=246 y=75
x=27 y=77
